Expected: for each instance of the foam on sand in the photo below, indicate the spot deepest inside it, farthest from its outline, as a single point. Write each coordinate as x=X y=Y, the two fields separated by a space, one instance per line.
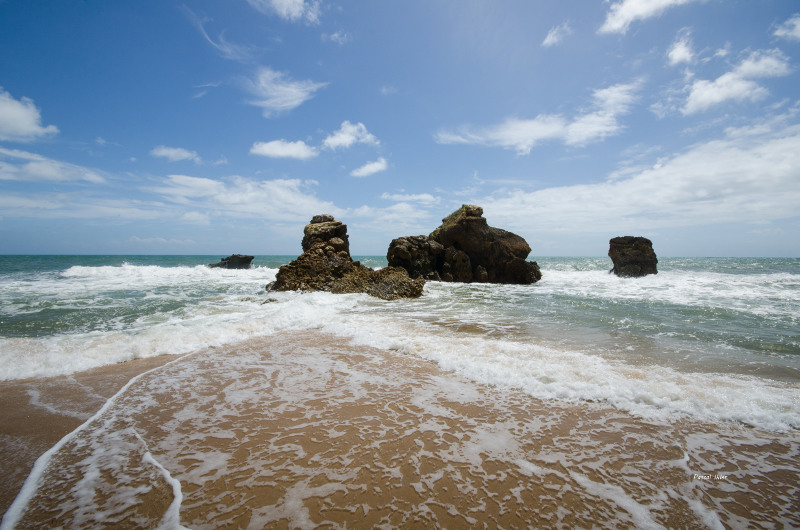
x=306 y=429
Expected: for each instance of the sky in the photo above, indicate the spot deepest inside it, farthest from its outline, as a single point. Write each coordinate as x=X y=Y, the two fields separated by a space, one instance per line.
x=221 y=127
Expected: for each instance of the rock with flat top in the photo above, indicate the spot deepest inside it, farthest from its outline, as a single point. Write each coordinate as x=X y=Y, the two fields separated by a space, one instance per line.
x=632 y=256
x=234 y=261
x=326 y=265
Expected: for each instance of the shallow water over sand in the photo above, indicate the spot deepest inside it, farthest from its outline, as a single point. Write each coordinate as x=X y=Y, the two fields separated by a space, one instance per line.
x=306 y=429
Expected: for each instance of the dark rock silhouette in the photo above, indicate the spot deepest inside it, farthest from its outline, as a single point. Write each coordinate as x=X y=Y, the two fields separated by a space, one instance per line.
x=466 y=249
x=632 y=256
x=326 y=265
x=234 y=261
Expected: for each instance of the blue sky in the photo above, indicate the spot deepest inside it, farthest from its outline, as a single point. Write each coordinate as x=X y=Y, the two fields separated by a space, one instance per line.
x=218 y=127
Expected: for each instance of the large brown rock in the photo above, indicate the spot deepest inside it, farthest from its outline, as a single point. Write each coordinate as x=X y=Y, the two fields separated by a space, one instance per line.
x=632 y=256
x=466 y=249
x=326 y=265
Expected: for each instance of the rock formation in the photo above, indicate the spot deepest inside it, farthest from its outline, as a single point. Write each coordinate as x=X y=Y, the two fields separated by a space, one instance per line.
x=632 y=256
x=326 y=265
x=235 y=261
x=465 y=249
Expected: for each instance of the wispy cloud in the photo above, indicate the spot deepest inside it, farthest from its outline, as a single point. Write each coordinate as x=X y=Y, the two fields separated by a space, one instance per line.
x=290 y=10
x=790 y=29
x=681 y=49
x=76 y=206
x=557 y=34
x=290 y=200
x=371 y=168
x=20 y=120
x=738 y=84
x=339 y=37
x=275 y=92
x=225 y=49
x=349 y=134
x=284 y=149
x=25 y=166
x=522 y=135
x=422 y=198
x=175 y=154
x=624 y=12
x=749 y=175
x=195 y=218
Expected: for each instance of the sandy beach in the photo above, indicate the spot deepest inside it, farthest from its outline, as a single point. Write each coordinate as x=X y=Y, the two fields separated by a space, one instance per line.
x=305 y=430
x=37 y=413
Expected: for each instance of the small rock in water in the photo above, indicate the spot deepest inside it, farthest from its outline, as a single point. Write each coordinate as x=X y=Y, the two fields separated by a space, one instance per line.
x=234 y=261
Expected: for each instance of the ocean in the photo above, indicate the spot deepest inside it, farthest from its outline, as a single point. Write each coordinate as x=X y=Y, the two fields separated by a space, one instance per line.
x=699 y=364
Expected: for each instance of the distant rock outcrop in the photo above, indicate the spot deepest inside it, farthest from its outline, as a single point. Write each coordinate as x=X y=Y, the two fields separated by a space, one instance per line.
x=326 y=265
x=465 y=249
x=632 y=256
x=235 y=261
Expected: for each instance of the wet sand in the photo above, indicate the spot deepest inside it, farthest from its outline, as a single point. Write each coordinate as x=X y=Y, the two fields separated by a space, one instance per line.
x=306 y=430
x=37 y=413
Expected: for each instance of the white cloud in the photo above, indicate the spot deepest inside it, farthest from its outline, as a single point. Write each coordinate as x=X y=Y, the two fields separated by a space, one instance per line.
x=22 y=165
x=20 y=120
x=340 y=37
x=175 y=154
x=276 y=93
x=349 y=134
x=522 y=135
x=622 y=13
x=398 y=219
x=681 y=49
x=738 y=84
x=75 y=206
x=283 y=149
x=289 y=200
x=195 y=218
x=422 y=198
x=370 y=168
x=183 y=188
x=291 y=10
x=227 y=50
x=182 y=198
x=557 y=34
x=751 y=175
x=790 y=29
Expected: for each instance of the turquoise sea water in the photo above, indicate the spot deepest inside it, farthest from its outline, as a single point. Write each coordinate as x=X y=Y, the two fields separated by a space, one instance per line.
x=728 y=325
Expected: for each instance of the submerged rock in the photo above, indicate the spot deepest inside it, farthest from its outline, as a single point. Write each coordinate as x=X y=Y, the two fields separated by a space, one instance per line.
x=326 y=265
x=466 y=249
x=632 y=256
x=234 y=261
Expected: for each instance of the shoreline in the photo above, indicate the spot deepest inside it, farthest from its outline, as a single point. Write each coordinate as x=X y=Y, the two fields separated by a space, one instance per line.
x=305 y=428
x=38 y=412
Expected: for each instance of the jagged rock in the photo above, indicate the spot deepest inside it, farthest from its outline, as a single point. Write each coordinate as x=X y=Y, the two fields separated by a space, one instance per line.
x=420 y=254
x=466 y=249
x=389 y=283
x=632 y=256
x=235 y=261
x=326 y=265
